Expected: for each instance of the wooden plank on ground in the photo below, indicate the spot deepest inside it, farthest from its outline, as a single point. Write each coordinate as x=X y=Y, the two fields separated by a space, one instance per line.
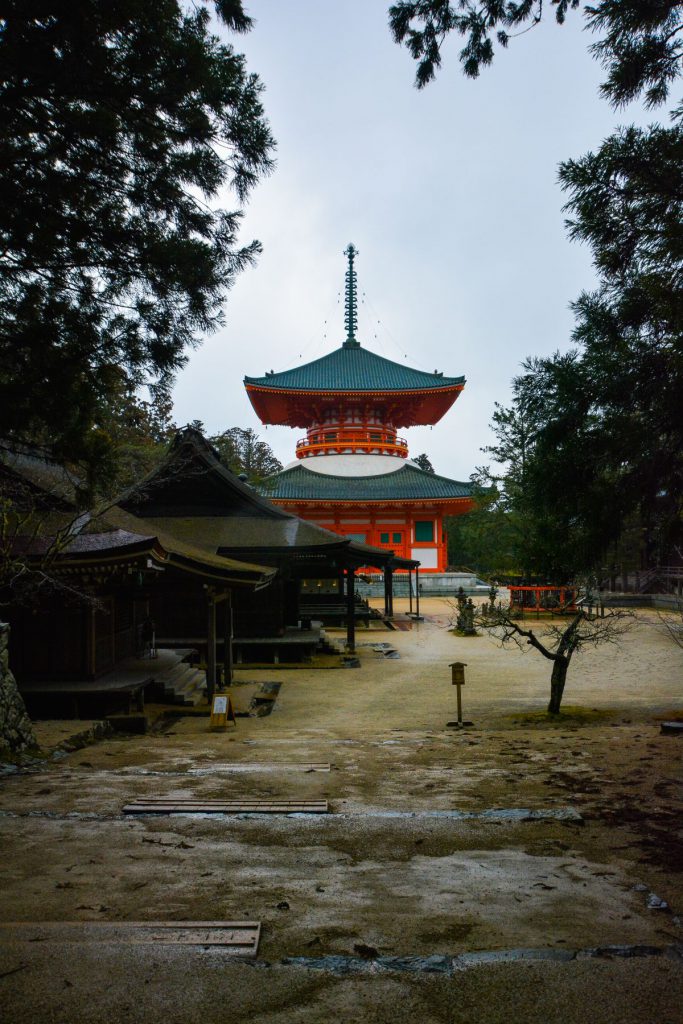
x=197 y=805
x=260 y=766
x=238 y=938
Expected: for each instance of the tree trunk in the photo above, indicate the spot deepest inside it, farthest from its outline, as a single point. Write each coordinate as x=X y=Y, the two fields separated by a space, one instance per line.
x=557 y=681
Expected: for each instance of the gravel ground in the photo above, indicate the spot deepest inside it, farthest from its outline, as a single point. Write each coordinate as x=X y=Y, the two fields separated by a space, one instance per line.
x=430 y=855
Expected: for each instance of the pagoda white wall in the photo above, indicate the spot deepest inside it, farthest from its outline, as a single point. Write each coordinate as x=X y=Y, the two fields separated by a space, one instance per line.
x=352 y=465
x=427 y=557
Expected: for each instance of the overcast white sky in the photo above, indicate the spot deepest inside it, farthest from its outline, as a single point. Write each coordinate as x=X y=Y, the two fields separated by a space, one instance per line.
x=450 y=194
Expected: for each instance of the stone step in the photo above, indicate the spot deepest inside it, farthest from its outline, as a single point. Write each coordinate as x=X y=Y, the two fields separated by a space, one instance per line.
x=192 y=684
x=190 y=700
x=329 y=645
x=184 y=685
x=176 y=672
x=192 y=689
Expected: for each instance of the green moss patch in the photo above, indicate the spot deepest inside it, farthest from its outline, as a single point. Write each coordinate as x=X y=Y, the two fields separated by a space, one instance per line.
x=569 y=715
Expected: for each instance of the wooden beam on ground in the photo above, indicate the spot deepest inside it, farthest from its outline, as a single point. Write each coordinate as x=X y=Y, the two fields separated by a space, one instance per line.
x=238 y=938
x=197 y=805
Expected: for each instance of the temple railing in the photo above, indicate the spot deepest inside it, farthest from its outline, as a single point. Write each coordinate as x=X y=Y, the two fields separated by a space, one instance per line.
x=342 y=441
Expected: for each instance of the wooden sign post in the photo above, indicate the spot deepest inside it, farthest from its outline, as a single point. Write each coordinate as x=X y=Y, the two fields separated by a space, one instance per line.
x=458 y=680
x=222 y=711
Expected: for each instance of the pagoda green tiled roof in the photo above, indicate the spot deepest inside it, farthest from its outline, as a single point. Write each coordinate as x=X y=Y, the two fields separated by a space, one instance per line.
x=354 y=368
x=409 y=483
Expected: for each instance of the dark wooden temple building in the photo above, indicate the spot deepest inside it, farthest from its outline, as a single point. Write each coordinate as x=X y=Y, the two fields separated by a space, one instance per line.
x=82 y=641
x=191 y=559
x=193 y=499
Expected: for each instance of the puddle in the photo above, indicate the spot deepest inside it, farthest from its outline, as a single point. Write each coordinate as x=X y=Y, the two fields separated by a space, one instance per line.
x=513 y=814
x=449 y=965
x=495 y=814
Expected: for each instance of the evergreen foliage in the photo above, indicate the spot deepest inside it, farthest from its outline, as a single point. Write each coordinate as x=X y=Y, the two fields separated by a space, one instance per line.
x=424 y=462
x=612 y=420
x=243 y=451
x=603 y=457
x=484 y=540
x=121 y=123
x=640 y=44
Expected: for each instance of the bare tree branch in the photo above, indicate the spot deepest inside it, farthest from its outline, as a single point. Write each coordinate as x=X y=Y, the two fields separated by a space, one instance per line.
x=559 y=642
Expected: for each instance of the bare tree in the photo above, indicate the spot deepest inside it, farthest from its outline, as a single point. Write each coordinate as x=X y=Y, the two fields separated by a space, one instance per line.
x=43 y=509
x=39 y=517
x=674 y=627
x=558 y=642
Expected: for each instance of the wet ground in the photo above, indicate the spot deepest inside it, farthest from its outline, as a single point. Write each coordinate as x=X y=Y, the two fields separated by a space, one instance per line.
x=519 y=870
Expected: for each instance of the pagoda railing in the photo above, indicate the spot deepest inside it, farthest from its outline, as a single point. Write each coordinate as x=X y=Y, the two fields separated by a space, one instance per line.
x=339 y=441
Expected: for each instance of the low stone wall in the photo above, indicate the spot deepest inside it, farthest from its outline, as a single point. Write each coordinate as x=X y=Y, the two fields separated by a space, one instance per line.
x=432 y=584
x=670 y=602
x=16 y=731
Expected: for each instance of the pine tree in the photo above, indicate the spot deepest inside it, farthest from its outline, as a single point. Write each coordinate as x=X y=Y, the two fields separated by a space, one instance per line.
x=243 y=451
x=121 y=124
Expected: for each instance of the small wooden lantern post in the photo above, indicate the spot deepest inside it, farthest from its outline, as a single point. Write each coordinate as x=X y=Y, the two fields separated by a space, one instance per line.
x=458 y=680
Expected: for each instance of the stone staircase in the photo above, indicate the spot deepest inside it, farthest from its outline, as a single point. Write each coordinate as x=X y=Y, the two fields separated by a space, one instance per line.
x=182 y=684
x=329 y=645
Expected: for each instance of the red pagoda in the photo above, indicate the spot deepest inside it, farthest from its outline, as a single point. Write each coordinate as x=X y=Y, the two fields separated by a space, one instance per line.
x=352 y=473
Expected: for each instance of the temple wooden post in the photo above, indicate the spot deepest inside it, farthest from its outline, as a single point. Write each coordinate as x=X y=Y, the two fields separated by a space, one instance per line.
x=386 y=592
x=410 y=591
x=389 y=576
x=350 y=609
x=90 y=643
x=227 y=641
x=211 y=645
x=417 y=591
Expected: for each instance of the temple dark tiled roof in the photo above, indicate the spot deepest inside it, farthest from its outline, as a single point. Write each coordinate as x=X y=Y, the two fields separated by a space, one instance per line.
x=409 y=482
x=196 y=508
x=354 y=369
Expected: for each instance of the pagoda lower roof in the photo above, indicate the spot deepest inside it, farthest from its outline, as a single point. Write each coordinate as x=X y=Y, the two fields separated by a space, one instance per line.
x=354 y=369
x=409 y=483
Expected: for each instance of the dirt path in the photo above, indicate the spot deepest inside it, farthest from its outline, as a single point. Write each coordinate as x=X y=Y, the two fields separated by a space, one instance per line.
x=430 y=851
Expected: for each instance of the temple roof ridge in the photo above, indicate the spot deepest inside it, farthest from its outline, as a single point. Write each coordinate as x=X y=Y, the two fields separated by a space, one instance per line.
x=354 y=368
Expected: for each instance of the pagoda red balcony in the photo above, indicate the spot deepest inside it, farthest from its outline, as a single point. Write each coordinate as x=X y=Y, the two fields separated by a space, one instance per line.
x=345 y=441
